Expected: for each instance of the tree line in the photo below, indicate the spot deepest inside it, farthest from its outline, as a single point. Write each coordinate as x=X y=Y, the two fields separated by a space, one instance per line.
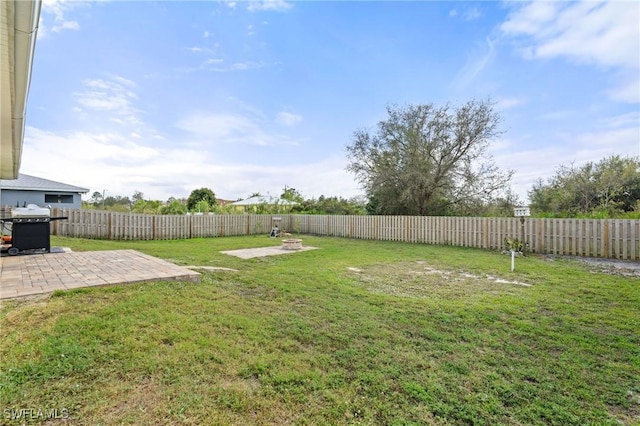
x=430 y=160
x=603 y=189
x=204 y=201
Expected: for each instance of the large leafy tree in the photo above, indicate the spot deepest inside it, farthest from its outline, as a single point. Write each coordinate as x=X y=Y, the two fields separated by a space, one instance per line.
x=173 y=206
x=331 y=205
x=146 y=206
x=137 y=196
x=202 y=194
x=610 y=186
x=291 y=194
x=115 y=203
x=96 y=199
x=429 y=160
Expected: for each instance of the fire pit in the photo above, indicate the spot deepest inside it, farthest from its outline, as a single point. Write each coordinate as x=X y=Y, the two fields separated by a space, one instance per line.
x=292 y=244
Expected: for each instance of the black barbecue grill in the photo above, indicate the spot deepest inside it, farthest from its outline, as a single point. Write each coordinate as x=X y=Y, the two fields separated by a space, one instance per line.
x=29 y=230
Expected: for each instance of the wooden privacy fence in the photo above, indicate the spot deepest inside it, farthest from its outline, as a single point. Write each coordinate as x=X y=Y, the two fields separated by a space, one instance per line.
x=606 y=238
x=107 y=225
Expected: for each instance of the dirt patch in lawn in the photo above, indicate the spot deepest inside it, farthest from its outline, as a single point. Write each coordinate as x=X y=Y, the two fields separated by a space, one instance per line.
x=421 y=280
x=626 y=268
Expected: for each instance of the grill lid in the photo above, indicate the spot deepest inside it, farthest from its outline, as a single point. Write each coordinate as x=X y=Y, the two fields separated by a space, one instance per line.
x=32 y=210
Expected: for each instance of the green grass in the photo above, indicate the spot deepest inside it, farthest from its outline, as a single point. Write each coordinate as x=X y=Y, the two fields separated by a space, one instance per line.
x=356 y=332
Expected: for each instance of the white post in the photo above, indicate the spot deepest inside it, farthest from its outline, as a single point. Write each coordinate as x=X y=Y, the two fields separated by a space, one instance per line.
x=513 y=260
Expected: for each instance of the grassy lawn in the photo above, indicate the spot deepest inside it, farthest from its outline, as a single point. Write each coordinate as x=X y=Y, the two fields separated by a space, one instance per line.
x=356 y=332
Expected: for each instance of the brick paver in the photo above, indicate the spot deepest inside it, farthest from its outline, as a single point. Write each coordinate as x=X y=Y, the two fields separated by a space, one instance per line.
x=36 y=274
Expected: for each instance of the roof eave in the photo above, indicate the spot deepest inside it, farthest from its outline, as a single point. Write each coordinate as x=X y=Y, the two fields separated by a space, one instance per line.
x=18 y=31
x=24 y=188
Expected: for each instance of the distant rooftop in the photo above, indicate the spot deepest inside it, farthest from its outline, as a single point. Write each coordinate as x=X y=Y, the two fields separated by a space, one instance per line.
x=32 y=183
x=259 y=199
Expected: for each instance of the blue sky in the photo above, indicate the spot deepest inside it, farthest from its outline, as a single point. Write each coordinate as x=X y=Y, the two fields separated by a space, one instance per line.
x=169 y=96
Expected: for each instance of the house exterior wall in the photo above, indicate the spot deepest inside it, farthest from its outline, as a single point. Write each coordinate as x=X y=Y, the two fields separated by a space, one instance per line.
x=59 y=199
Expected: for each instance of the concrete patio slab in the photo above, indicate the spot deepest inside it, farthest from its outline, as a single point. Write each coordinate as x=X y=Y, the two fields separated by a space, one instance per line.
x=263 y=251
x=38 y=274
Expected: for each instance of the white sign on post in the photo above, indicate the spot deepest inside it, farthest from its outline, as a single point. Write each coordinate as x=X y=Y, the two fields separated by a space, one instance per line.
x=521 y=211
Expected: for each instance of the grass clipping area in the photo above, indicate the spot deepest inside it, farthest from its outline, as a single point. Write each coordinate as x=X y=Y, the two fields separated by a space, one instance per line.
x=356 y=332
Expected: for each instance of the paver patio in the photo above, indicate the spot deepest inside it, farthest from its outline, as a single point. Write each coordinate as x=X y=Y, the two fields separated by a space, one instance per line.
x=38 y=274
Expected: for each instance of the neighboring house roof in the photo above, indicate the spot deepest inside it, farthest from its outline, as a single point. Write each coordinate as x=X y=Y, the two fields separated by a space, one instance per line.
x=253 y=201
x=32 y=183
x=223 y=202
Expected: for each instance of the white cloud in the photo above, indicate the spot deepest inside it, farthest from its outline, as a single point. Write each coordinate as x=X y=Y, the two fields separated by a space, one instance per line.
x=507 y=103
x=323 y=177
x=232 y=128
x=122 y=164
x=288 y=119
x=113 y=161
x=223 y=127
x=215 y=65
x=123 y=81
x=476 y=63
x=605 y=34
x=617 y=135
x=57 y=10
x=628 y=92
x=88 y=148
x=468 y=14
x=471 y=14
x=243 y=66
x=122 y=154
x=66 y=25
x=114 y=96
x=558 y=115
x=202 y=50
x=630 y=119
x=269 y=5
x=212 y=60
x=530 y=18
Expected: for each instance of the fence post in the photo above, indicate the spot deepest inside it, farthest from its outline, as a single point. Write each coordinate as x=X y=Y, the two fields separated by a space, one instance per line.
x=605 y=236
x=406 y=227
x=109 y=232
x=486 y=233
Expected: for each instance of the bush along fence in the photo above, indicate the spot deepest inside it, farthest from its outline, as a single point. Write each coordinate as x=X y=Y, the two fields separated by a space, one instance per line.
x=605 y=238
